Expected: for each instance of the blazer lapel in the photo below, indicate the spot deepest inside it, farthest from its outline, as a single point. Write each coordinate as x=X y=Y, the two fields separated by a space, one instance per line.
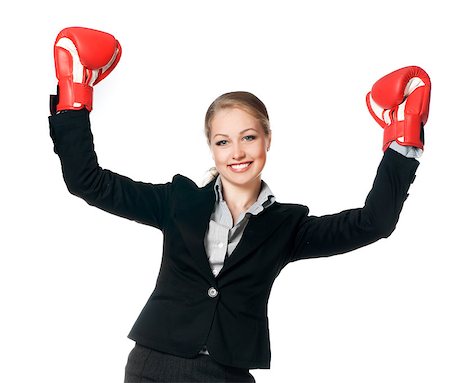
x=192 y=218
x=258 y=229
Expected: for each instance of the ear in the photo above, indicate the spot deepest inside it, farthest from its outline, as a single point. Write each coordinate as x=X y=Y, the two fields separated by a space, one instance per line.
x=268 y=140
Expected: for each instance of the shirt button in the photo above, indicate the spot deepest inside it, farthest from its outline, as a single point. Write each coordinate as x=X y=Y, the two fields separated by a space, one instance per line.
x=215 y=271
x=212 y=292
x=220 y=245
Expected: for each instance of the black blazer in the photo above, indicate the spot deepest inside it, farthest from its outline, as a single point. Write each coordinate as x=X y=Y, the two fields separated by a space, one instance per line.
x=184 y=313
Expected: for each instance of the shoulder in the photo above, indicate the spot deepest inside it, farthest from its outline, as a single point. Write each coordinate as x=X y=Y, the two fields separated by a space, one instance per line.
x=297 y=210
x=183 y=183
x=186 y=192
x=179 y=180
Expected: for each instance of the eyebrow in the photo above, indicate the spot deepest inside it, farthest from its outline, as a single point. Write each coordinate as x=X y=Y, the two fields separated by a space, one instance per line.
x=226 y=135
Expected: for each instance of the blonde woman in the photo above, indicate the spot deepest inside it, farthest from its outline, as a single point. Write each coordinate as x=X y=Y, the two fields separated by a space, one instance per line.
x=225 y=242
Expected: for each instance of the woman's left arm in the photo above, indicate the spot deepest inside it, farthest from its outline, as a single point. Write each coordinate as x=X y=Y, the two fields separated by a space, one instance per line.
x=350 y=229
x=399 y=103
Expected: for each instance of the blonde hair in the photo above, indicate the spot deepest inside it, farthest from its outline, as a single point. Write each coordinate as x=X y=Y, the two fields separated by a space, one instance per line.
x=240 y=99
x=243 y=100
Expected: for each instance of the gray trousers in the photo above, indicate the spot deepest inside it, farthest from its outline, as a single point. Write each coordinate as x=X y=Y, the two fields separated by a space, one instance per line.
x=148 y=365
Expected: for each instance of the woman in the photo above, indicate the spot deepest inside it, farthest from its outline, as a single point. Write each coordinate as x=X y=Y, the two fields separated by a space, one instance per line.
x=226 y=242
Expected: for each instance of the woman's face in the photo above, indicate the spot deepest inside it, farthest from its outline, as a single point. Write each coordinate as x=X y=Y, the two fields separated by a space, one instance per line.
x=238 y=146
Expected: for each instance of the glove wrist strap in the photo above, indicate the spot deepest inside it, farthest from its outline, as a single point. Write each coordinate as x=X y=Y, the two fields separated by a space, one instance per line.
x=74 y=96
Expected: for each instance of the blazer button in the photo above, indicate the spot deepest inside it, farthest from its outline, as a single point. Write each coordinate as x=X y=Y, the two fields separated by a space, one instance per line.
x=212 y=292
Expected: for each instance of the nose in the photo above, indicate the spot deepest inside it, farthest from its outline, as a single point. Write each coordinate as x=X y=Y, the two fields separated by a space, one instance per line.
x=238 y=152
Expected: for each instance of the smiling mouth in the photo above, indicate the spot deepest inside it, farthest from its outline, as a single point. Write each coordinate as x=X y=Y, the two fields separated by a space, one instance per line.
x=241 y=166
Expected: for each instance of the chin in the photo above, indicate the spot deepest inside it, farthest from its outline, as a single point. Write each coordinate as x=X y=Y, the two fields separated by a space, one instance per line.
x=242 y=179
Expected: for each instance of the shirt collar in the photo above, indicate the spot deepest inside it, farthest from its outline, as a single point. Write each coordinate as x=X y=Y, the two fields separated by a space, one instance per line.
x=265 y=197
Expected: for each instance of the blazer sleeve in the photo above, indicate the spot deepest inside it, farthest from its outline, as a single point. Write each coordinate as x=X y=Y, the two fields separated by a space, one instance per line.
x=73 y=142
x=351 y=229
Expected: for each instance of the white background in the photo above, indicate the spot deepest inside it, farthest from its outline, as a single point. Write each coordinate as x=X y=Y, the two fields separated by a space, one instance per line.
x=73 y=279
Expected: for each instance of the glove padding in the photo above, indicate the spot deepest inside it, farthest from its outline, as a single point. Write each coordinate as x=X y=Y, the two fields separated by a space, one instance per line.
x=83 y=58
x=400 y=102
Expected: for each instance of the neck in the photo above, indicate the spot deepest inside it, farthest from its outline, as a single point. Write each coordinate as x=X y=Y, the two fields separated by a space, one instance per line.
x=241 y=196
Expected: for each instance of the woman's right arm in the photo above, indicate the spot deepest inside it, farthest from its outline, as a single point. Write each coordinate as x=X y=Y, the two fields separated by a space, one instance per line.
x=73 y=142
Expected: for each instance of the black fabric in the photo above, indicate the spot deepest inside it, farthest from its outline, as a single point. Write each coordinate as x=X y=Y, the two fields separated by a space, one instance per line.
x=147 y=365
x=180 y=316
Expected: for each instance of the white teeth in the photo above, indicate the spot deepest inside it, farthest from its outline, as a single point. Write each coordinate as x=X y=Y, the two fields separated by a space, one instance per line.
x=240 y=166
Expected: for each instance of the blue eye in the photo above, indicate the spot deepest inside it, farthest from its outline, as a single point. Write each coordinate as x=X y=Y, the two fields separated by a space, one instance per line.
x=249 y=138
x=221 y=142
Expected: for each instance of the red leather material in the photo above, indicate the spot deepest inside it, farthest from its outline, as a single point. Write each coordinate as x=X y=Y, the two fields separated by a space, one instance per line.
x=95 y=48
x=97 y=51
x=403 y=107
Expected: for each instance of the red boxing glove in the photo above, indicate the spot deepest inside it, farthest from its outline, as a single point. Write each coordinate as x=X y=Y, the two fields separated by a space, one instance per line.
x=400 y=102
x=83 y=57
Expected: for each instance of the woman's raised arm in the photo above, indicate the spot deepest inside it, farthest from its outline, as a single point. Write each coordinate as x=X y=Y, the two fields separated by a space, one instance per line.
x=84 y=57
x=399 y=103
